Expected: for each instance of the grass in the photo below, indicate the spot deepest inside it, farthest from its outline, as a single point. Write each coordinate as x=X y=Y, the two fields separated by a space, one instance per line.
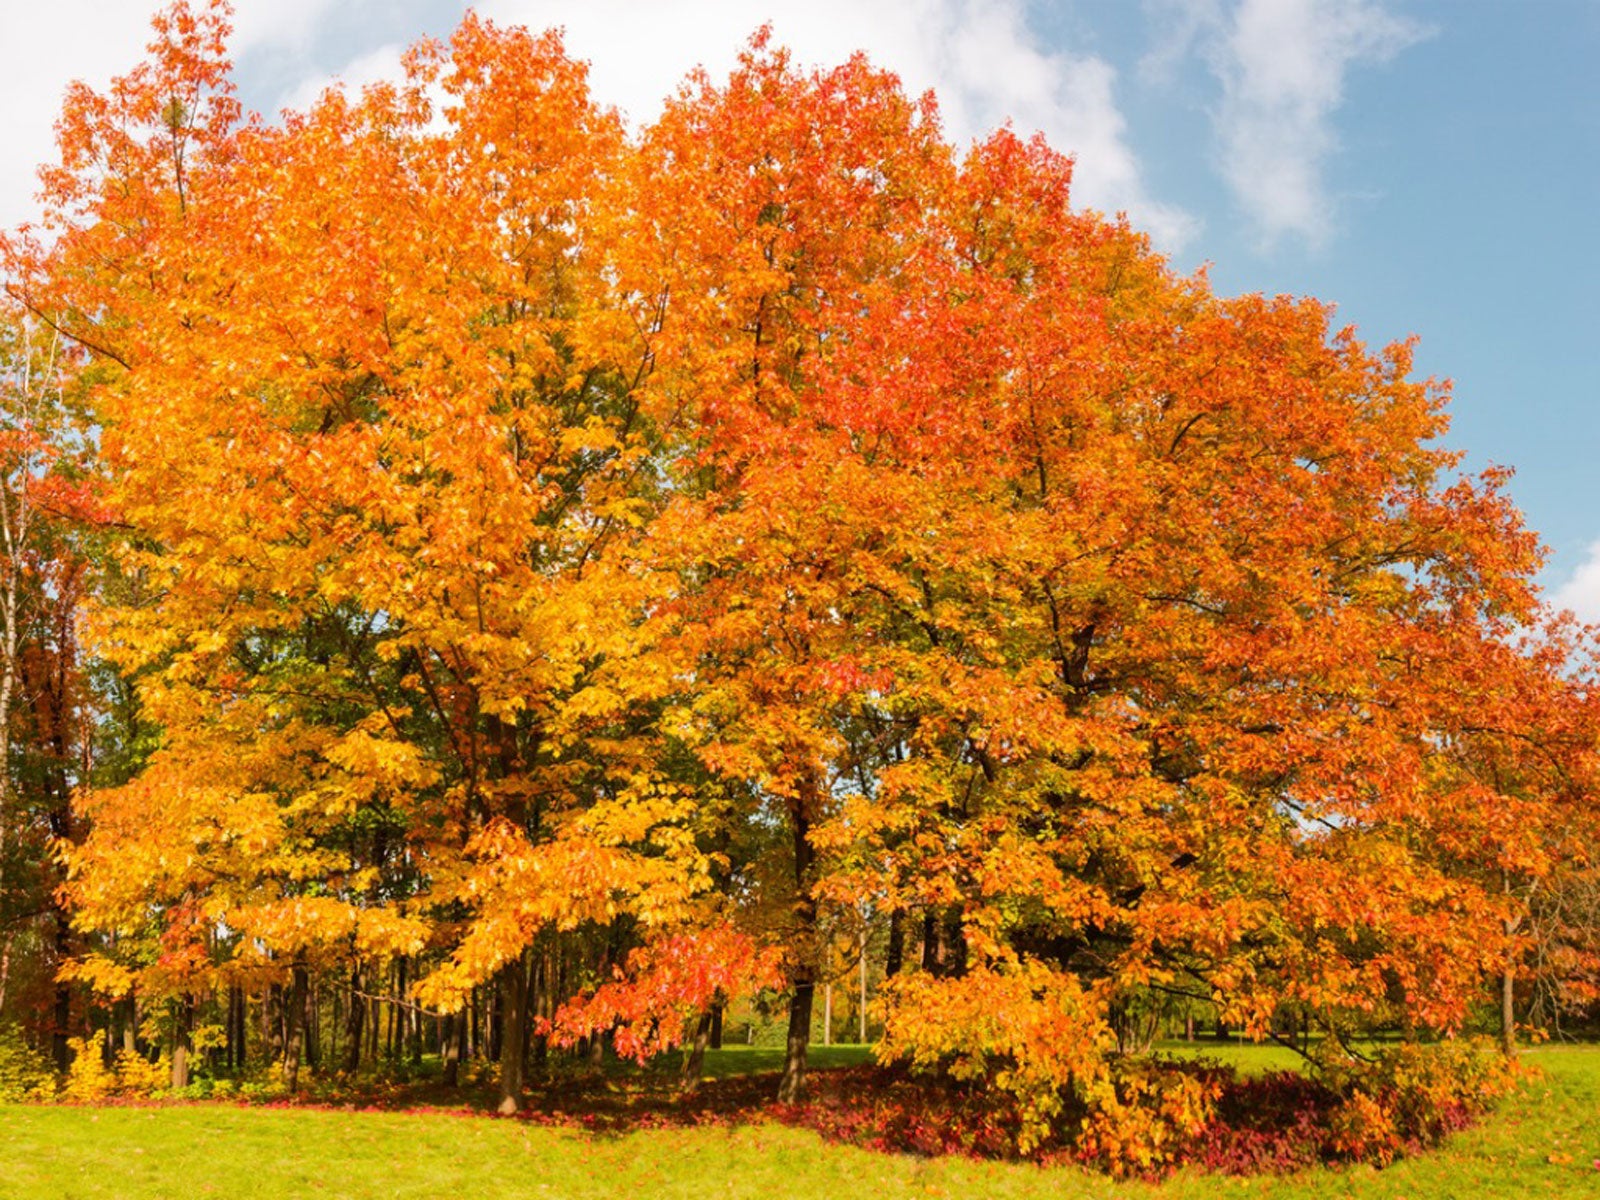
x=1543 y=1142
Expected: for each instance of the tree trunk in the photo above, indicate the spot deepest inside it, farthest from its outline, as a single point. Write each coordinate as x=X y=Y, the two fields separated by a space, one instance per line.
x=953 y=942
x=495 y=1019
x=450 y=1047
x=542 y=1002
x=234 y=1028
x=1508 y=987
x=861 y=1008
x=696 y=1062
x=61 y=822
x=355 y=1022
x=716 y=1024
x=272 y=1022
x=513 y=1034
x=313 y=1035
x=803 y=974
x=130 y=1024
x=1508 y=1013
x=897 y=944
x=794 y=1062
x=183 y=1022
x=5 y=936
x=397 y=985
x=294 y=1027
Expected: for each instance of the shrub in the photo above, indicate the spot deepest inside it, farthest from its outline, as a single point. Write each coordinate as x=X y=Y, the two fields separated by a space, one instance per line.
x=1411 y=1096
x=89 y=1079
x=1144 y=1115
x=25 y=1073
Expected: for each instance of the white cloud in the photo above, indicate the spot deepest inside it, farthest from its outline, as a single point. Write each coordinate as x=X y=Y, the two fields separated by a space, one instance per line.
x=1282 y=65
x=1176 y=26
x=288 y=23
x=981 y=58
x=1581 y=591
x=48 y=45
x=382 y=63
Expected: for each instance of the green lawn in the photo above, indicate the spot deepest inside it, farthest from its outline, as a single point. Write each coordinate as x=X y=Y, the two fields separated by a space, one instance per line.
x=1543 y=1142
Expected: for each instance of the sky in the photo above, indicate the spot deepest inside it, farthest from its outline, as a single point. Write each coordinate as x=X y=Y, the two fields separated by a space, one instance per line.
x=1431 y=167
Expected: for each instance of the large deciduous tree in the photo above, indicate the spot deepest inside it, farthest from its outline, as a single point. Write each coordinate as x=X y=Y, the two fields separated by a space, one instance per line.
x=373 y=423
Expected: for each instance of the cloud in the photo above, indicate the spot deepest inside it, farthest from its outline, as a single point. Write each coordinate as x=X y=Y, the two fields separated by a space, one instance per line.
x=1176 y=26
x=277 y=23
x=1282 y=65
x=986 y=65
x=1581 y=591
x=375 y=65
x=48 y=45
x=985 y=62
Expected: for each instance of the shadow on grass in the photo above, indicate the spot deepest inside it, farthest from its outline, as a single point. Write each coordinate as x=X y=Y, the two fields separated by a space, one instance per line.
x=1268 y=1121
x=738 y=1085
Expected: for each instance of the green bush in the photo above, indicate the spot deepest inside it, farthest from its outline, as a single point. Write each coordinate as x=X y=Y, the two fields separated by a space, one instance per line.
x=25 y=1073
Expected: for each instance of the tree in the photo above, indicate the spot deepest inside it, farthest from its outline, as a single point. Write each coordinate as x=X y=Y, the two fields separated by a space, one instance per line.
x=44 y=725
x=371 y=424
x=1175 y=656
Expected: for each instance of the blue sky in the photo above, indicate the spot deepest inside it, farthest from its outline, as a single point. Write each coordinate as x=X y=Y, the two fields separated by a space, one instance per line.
x=1430 y=166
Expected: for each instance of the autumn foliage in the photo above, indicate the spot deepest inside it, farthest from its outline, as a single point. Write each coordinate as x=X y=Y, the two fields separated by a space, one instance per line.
x=583 y=562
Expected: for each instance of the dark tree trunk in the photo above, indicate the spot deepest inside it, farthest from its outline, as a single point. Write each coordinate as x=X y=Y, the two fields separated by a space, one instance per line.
x=695 y=1063
x=896 y=959
x=547 y=981
x=931 y=957
x=475 y=1030
x=62 y=1010
x=355 y=1022
x=794 y=1061
x=396 y=1035
x=513 y=1034
x=1508 y=1013
x=803 y=974
x=953 y=942
x=236 y=1028
x=272 y=1022
x=716 y=1025
x=313 y=1037
x=495 y=1017
x=294 y=1027
x=1508 y=989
